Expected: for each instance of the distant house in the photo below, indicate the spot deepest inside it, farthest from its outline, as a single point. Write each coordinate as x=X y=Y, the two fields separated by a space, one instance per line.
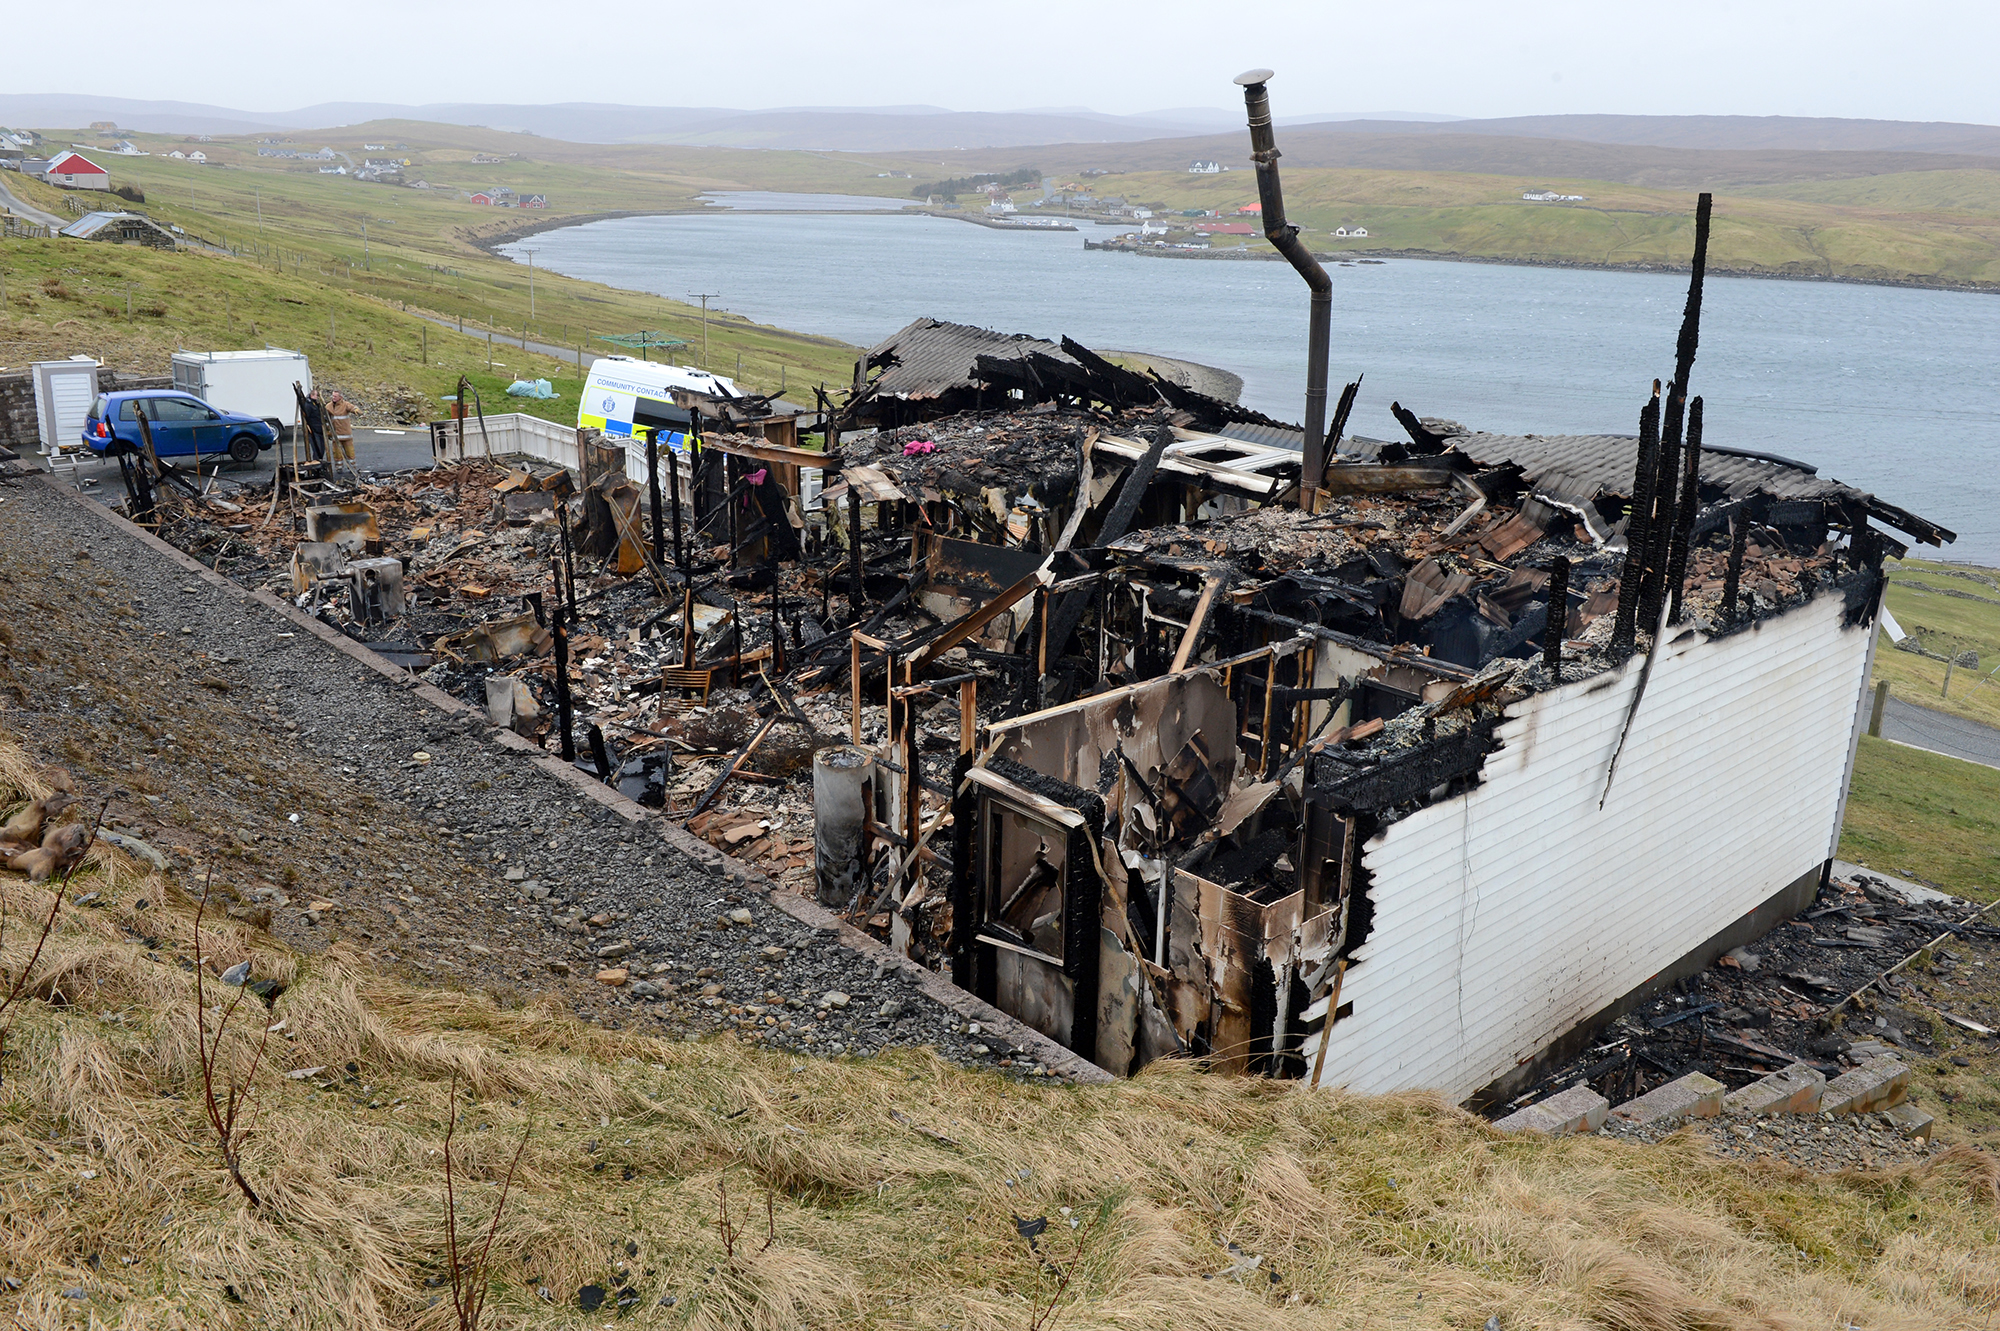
x=127 y=148
x=1204 y=168
x=1359 y=232
x=121 y=229
x=1550 y=196
x=333 y=170
x=374 y=147
x=197 y=156
x=1252 y=209
x=103 y=127
x=535 y=201
x=483 y=199
x=75 y=171
x=178 y=155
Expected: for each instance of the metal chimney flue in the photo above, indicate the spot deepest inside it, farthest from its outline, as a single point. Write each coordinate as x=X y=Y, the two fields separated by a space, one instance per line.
x=1283 y=235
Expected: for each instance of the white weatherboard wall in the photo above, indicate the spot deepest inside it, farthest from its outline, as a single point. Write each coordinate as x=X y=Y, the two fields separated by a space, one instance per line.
x=1508 y=915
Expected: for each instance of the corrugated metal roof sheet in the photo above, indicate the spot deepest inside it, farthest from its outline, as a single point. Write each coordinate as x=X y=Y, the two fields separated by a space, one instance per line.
x=1589 y=464
x=1271 y=436
x=930 y=357
x=1578 y=468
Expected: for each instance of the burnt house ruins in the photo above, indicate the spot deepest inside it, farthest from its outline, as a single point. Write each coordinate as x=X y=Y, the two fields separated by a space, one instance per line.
x=1164 y=726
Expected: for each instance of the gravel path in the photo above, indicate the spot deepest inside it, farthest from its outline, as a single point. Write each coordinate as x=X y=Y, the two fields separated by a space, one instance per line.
x=1940 y=732
x=334 y=805
x=1822 y=1142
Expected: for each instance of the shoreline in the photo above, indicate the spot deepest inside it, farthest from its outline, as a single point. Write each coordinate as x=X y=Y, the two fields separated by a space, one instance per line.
x=491 y=244
x=1581 y=265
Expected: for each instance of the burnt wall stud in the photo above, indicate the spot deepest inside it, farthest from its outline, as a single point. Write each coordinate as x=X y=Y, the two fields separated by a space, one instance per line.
x=1558 y=620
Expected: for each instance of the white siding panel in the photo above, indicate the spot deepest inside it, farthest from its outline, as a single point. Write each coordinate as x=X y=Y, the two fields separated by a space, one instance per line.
x=1507 y=915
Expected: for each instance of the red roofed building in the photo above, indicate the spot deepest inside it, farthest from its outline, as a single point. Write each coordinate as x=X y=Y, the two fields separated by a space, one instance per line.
x=1255 y=208
x=75 y=171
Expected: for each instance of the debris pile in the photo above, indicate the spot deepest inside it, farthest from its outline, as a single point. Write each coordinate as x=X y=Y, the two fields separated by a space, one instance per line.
x=1119 y=703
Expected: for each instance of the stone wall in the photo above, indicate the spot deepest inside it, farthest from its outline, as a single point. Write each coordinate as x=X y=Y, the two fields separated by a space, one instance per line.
x=17 y=402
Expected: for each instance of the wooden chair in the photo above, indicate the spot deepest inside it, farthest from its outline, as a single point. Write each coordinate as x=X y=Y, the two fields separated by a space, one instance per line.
x=682 y=680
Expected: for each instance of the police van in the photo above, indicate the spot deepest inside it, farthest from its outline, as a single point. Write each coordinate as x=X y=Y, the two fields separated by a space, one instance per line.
x=623 y=395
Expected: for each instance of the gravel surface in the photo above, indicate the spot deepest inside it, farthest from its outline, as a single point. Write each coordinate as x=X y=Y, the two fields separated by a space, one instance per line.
x=333 y=805
x=1821 y=1142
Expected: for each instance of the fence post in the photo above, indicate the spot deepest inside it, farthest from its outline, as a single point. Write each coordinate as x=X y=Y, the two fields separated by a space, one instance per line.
x=1875 y=714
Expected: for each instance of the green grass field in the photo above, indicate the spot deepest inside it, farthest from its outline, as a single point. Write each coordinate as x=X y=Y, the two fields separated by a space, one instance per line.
x=1950 y=608
x=1880 y=228
x=1917 y=814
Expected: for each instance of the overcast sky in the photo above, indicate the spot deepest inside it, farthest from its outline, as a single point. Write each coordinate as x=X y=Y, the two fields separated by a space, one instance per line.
x=1891 y=59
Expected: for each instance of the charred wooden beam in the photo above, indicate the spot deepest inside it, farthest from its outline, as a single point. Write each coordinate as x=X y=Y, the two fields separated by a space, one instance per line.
x=1558 y=618
x=1677 y=555
x=1069 y=611
x=1637 y=528
x=1739 y=538
x=561 y=633
x=1364 y=478
x=1660 y=526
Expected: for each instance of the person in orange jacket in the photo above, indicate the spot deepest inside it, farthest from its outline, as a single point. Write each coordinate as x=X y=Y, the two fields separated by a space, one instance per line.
x=340 y=415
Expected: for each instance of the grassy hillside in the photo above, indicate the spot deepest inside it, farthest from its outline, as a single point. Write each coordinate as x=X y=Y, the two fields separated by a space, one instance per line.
x=1936 y=231
x=1865 y=216
x=308 y=258
x=1912 y=813
x=716 y=1186
x=1950 y=608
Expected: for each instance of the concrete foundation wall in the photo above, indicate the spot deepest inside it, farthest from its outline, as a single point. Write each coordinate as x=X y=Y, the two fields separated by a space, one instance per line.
x=1507 y=916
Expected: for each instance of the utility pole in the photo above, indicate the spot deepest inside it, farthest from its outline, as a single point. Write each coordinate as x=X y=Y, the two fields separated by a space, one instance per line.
x=704 y=297
x=531 y=284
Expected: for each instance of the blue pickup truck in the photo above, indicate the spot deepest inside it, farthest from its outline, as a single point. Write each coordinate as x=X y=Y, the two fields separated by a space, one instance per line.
x=182 y=426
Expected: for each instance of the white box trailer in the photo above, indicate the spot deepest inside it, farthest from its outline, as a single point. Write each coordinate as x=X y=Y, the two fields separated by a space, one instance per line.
x=64 y=390
x=255 y=383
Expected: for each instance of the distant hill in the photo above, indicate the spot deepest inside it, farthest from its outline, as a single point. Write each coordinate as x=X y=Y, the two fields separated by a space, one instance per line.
x=1360 y=145
x=851 y=129
x=934 y=128
x=1800 y=133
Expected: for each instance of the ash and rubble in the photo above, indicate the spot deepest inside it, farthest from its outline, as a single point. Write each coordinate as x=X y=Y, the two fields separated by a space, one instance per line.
x=1828 y=989
x=977 y=546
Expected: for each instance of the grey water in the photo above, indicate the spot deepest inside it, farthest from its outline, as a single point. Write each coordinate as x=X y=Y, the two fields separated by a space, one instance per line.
x=1895 y=390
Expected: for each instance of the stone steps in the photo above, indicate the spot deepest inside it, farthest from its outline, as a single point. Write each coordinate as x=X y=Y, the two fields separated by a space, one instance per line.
x=1879 y=1086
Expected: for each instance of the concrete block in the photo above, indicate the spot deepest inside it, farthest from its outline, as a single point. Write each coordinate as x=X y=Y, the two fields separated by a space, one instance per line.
x=1692 y=1096
x=1909 y=1120
x=1578 y=1109
x=1876 y=1084
x=1792 y=1090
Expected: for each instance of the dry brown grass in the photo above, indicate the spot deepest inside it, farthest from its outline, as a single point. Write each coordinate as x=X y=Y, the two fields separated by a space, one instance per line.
x=1364 y=1211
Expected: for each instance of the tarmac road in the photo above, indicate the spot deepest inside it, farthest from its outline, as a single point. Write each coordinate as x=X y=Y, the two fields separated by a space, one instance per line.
x=1940 y=732
x=32 y=214
x=376 y=450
